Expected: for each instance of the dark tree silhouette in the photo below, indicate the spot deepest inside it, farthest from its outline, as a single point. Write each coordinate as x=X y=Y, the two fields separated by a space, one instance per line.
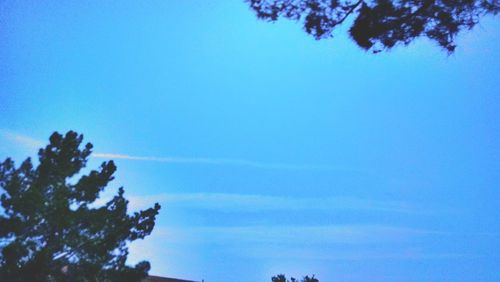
x=282 y=278
x=49 y=231
x=381 y=24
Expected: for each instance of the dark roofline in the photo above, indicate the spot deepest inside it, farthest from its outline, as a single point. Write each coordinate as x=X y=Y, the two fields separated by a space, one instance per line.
x=152 y=278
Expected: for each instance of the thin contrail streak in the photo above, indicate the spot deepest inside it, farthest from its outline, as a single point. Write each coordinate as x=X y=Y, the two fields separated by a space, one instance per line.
x=30 y=142
x=217 y=161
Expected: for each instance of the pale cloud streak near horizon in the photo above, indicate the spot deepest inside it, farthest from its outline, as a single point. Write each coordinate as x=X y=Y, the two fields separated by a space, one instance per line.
x=301 y=241
x=265 y=203
x=283 y=234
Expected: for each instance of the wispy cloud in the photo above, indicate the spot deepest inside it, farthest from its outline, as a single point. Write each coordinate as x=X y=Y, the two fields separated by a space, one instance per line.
x=277 y=242
x=293 y=234
x=23 y=140
x=225 y=161
x=256 y=203
x=289 y=247
x=32 y=143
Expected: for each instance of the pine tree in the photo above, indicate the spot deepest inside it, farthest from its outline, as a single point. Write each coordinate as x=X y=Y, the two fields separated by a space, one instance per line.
x=50 y=226
x=381 y=24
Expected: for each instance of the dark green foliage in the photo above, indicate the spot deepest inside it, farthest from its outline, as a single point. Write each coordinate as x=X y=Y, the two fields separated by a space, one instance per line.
x=382 y=24
x=49 y=231
x=282 y=278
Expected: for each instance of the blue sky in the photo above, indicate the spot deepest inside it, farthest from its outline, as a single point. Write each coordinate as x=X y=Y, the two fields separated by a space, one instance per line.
x=270 y=152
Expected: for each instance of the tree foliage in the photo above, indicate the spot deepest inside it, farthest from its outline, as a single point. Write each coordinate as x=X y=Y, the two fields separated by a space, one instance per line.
x=51 y=228
x=282 y=278
x=382 y=24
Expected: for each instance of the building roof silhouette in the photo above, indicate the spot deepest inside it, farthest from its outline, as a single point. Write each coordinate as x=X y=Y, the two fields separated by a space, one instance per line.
x=153 y=278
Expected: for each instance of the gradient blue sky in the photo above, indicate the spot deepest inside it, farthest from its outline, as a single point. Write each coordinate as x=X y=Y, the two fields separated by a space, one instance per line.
x=270 y=152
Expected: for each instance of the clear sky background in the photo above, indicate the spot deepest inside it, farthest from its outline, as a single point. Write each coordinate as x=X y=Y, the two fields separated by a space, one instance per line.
x=270 y=152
